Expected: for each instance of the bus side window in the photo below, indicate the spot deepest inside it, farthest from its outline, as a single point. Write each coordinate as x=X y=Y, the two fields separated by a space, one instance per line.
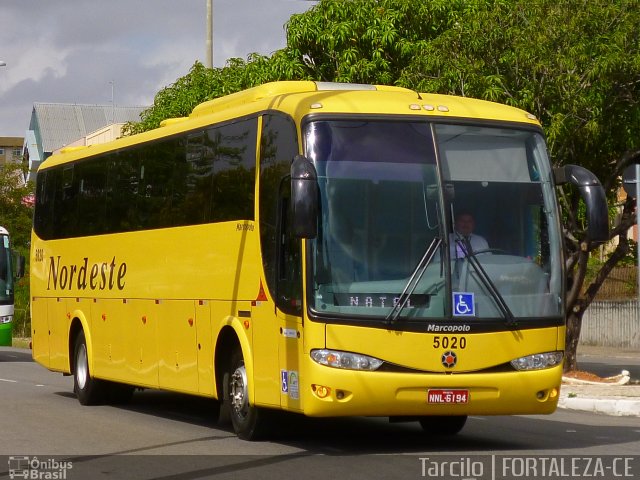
x=44 y=212
x=234 y=170
x=92 y=191
x=278 y=147
x=156 y=182
x=122 y=191
x=196 y=207
x=289 y=283
x=66 y=204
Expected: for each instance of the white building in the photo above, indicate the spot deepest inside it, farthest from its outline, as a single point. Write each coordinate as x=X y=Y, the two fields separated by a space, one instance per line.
x=57 y=125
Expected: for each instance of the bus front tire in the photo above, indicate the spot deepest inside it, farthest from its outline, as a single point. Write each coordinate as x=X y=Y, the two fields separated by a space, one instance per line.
x=249 y=422
x=443 y=425
x=89 y=390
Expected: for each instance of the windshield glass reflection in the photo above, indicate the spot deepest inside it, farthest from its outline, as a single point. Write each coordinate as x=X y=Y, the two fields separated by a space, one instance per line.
x=382 y=204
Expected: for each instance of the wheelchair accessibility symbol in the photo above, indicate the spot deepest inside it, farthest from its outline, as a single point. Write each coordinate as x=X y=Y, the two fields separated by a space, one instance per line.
x=463 y=304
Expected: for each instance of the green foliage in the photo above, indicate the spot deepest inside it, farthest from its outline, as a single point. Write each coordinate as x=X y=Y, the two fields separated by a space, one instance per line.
x=621 y=283
x=572 y=63
x=202 y=84
x=15 y=216
x=367 y=41
x=21 y=316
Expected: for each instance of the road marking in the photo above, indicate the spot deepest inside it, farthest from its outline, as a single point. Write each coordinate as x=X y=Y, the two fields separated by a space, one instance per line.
x=8 y=381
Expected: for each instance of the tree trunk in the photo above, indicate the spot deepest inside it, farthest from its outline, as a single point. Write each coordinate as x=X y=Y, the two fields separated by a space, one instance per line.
x=574 y=324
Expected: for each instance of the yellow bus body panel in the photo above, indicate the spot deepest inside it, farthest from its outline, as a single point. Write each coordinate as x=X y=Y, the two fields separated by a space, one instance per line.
x=159 y=329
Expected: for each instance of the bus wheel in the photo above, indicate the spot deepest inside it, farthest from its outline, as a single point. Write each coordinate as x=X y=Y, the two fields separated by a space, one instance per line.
x=443 y=425
x=248 y=422
x=89 y=390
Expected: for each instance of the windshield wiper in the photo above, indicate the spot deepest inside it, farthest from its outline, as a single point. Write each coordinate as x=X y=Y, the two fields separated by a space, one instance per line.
x=414 y=279
x=472 y=258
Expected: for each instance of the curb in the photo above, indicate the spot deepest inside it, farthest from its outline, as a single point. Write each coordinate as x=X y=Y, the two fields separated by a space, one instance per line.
x=607 y=406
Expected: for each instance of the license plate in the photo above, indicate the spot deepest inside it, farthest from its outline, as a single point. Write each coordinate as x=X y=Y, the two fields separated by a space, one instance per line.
x=447 y=396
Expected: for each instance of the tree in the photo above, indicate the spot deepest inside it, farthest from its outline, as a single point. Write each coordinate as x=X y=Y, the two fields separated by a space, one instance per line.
x=575 y=64
x=202 y=84
x=15 y=210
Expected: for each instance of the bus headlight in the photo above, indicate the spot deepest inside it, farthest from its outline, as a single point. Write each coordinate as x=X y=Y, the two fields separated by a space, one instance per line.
x=6 y=318
x=538 y=361
x=346 y=360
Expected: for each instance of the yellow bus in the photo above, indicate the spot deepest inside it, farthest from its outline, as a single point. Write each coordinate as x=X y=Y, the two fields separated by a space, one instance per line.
x=294 y=247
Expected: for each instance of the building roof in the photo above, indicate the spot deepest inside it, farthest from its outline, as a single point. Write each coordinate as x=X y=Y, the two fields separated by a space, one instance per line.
x=57 y=124
x=11 y=141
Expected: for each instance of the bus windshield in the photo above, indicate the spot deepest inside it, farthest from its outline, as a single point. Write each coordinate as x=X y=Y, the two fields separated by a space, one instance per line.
x=6 y=272
x=390 y=191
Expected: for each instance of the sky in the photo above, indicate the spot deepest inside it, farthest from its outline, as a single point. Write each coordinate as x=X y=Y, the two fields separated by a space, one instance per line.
x=82 y=51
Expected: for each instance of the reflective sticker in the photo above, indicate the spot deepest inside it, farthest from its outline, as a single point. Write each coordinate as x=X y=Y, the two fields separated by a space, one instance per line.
x=464 y=304
x=294 y=386
x=289 y=384
x=290 y=332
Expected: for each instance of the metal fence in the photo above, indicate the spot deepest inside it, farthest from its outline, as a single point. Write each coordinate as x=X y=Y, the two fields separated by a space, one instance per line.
x=612 y=324
x=613 y=318
x=620 y=284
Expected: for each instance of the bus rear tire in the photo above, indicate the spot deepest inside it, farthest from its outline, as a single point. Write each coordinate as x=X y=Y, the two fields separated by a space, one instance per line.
x=89 y=390
x=249 y=422
x=443 y=425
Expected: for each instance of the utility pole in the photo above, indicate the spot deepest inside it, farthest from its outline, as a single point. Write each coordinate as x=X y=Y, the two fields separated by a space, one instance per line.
x=208 y=62
x=631 y=185
x=637 y=175
x=113 y=103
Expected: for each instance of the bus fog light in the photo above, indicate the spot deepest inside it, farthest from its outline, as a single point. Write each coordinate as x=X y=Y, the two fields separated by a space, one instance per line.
x=538 y=361
x=345 y=360
x=321 y=391
x=6 y=318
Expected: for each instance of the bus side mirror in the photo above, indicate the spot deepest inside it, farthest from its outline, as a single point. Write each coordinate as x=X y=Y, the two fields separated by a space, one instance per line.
x=20 y=265
x=304 y=198
x=594 y=198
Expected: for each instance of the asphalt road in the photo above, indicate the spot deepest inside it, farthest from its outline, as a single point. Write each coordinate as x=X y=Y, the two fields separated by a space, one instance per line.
x=606 y=362
x=163 y=435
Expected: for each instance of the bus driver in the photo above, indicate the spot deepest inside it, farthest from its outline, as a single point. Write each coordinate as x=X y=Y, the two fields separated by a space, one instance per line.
x=463 y=237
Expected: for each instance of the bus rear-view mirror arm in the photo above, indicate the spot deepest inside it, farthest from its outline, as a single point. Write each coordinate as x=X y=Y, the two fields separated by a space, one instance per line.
x=594 y=198
x=304 y=198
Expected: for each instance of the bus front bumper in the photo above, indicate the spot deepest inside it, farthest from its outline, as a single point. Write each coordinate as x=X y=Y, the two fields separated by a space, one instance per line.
x=334 y=392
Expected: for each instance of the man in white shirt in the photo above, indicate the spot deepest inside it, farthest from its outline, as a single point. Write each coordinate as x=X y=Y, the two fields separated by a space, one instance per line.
x=463 y=236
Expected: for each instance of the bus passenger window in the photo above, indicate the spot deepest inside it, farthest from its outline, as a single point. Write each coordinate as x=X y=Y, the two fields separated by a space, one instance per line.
x=289 y=288
x=278 y=147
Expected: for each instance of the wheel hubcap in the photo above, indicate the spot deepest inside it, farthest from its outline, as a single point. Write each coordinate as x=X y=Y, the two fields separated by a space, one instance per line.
x=82 y=368
x=238 y=395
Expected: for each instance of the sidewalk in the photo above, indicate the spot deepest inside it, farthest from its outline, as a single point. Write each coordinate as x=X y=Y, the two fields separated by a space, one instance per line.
x=608 y=399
